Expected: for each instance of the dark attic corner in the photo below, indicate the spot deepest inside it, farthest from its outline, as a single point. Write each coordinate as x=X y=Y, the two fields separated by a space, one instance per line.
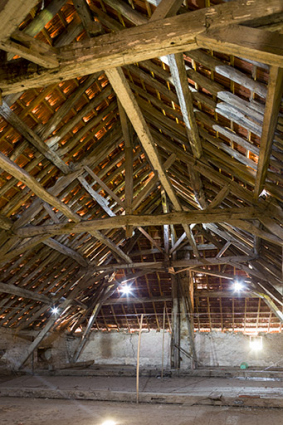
x=141 y=237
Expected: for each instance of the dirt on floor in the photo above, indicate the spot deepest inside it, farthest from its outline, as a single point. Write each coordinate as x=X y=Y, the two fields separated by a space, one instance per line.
x=17 y=411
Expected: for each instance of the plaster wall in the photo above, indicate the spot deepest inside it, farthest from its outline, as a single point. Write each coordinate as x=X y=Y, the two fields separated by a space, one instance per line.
x=231 y=349
x=120 y=348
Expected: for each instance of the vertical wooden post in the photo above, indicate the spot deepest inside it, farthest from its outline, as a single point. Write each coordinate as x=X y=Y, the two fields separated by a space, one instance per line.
x=138 y=358
x=175 y=341
x=162 y=363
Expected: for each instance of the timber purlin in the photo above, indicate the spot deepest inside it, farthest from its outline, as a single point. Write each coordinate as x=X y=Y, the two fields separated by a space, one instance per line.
x=141 y=145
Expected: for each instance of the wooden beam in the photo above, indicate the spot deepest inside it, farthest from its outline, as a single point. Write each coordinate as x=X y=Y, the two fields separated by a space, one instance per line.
x=177 y=263
x=41 y=335
x=32 y=137
x=92 y=27
x=129 y=103
x=172 y=35
x=20 y=174
x=251 y=43
x=65 y=250
x=12 y=15
x=272 y=107
x=24 y=293
x=31 y=49
x=166 y=8
x=131 y=300
x=225 y=294
x=180 y=79
x=228 y=215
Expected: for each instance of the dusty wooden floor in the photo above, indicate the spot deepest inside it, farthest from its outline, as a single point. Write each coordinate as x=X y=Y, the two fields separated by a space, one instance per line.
x=14 y=411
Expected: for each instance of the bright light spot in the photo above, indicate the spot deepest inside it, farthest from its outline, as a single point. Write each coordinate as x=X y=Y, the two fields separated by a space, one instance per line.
x=109 y=422
x=238 y=286
x=126 y=290
x=55 y=310
x=256 y=343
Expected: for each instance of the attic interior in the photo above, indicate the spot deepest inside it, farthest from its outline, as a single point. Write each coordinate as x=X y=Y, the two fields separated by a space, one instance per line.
x=141 y=153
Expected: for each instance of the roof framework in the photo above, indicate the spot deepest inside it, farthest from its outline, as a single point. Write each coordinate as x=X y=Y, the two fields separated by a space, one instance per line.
x=141 y=142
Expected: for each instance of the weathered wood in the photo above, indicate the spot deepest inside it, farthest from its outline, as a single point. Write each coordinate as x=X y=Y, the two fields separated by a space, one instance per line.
x=63 y=249
x=178 y=71
x=225 y=294
x=157 y=265
x=12 y=14
x=33 y=50
x=32 y=137
x=20 y=174
x=24 y=293
x=175 y=34
x=104 y=186
x=131 y=300
x=92 y=27
x=166 y=8
x=219 y=197
x=41 y=335
x=251 y=43
x=228 y=215
x=272 y=107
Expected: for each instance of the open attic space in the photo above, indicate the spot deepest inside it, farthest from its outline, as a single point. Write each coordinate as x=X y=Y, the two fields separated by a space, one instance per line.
x=141 y=237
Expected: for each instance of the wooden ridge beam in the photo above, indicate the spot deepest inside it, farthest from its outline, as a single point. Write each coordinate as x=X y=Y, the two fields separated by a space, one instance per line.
x=157 y=38
x=228 y=215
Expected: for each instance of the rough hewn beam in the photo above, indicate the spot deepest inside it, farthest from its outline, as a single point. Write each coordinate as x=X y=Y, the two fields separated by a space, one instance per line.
x=12 y=13
x=251 y=43
x=31 y=49
x=24 y=293
x=20 y=174
x=228 y=215
x=158 y=38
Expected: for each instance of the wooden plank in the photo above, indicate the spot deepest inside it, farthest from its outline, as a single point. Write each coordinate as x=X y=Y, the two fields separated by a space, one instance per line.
x=272 y=107
x=24 y=293
x=251 y=43
x=12 y=15
x=228 y=215
x=173 y=35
